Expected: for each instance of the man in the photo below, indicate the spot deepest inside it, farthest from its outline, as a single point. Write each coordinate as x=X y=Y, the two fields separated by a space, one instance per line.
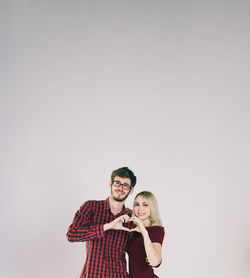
x=104 y=225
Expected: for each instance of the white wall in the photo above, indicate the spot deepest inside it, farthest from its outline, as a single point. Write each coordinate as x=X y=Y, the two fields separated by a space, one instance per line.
x=159 y=86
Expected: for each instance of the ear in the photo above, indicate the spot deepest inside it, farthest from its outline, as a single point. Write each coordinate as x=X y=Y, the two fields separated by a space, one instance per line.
x=131 y=191
x=110 y=184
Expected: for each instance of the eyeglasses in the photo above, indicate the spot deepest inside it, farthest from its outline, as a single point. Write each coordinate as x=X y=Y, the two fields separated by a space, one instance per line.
x=125 y=186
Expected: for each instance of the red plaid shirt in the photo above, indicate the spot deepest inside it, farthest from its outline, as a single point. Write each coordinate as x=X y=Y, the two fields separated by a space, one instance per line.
x=105 y=251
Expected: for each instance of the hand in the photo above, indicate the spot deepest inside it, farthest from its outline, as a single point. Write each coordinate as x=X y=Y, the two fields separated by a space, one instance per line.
x=147 y=261
x=140 y=228
x=117 y=224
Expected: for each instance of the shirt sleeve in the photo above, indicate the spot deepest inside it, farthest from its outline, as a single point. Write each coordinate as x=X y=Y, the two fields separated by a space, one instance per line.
x=157 y=234
x=82 y=227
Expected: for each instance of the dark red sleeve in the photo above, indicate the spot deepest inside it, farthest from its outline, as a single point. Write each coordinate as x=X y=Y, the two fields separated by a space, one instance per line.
x=156 y=234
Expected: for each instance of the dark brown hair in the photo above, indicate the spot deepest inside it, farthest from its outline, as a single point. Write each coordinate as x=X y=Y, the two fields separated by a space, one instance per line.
x=124 y=172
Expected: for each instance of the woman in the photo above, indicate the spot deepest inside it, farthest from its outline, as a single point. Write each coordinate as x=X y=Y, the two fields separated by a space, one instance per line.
x=145 y=245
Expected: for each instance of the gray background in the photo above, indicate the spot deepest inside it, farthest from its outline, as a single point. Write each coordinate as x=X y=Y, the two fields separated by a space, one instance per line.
x=159 y=86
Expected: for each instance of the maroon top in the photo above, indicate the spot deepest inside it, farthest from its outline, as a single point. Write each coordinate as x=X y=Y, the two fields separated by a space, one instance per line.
x=138 y=267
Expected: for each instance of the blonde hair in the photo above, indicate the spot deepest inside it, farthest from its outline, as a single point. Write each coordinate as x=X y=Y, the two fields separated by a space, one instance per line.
x=154 y=210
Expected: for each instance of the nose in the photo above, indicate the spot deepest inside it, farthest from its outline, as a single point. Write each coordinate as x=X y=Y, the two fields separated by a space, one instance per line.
x=140 y=208
x=120 y=188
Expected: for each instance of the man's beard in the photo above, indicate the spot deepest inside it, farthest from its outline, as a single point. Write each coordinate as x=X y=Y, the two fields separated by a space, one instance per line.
x=120 y=199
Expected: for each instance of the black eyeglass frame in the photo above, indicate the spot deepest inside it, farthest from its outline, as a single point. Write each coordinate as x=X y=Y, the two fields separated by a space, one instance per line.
x=125 y=186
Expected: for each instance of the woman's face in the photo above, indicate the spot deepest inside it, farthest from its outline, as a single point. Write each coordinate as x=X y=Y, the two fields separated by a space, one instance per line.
x=141 y=208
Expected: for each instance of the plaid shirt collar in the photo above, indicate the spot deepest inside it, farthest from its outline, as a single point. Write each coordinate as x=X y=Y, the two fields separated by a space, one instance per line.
x=123 y=211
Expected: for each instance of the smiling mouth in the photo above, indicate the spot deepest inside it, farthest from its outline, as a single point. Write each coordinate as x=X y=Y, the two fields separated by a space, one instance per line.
x=120 y=193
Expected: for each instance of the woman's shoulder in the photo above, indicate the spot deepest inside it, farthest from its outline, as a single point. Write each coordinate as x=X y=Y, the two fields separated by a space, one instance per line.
x=156 y=233
x=156 y=230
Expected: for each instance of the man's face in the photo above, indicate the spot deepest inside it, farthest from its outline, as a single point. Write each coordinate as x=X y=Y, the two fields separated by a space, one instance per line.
x=120 y=188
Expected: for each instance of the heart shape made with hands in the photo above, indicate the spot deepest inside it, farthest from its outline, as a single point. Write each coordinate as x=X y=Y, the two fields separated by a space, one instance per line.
x=130 y=224
x=124 y=222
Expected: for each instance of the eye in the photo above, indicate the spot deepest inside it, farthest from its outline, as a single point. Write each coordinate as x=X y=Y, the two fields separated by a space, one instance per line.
x=136 y=204
x=145 y=205
x=126 y=186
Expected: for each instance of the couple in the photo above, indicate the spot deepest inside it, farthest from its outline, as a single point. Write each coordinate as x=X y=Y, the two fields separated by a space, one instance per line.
x=110 y=230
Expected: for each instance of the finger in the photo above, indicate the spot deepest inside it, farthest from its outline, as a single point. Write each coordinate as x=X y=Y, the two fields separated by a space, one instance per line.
x=148 y=261
x=133 y=219
x=122 y=218
x=126 y=217
x=135 y=222
x=117 y=220
x=136 y=219
x=134 y=230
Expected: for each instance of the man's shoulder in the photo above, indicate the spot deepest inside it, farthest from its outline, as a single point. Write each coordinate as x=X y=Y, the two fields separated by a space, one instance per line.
x=93 y=203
